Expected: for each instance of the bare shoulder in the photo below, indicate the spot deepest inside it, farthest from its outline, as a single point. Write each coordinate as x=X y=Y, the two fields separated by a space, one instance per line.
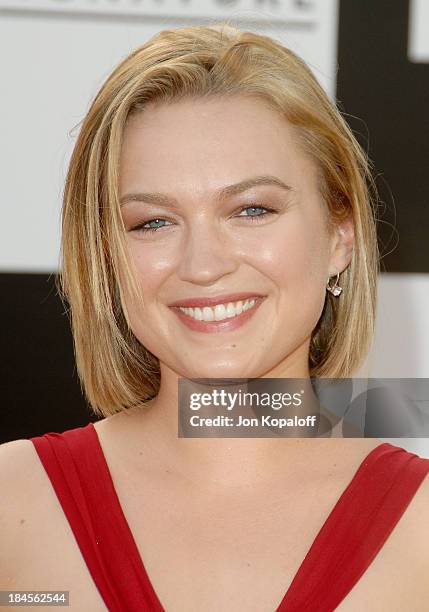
x=419 y=507
x=20 y=473
x=413 y=537
x=419 y=510
x=18 y=459
x=22 y=486
x=19 y=464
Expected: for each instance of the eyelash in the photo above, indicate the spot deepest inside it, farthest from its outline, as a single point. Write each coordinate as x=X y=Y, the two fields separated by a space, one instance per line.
x=145 y=230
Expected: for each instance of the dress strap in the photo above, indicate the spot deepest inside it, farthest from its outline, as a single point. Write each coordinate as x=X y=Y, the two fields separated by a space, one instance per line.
x=356 y=529
x=78 y=471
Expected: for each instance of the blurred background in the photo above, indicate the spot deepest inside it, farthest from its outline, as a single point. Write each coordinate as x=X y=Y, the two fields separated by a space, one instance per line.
x=371 y=56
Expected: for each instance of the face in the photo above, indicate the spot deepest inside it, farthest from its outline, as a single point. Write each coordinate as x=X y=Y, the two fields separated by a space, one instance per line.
x=207 y=229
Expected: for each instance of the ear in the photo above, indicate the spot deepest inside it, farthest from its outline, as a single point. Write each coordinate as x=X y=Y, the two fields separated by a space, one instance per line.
x=342 y=244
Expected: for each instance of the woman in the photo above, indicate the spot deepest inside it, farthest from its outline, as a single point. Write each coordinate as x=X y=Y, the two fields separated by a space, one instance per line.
x=212 y=169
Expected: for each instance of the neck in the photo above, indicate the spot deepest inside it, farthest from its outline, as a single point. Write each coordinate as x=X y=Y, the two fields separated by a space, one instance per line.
x=234 y=461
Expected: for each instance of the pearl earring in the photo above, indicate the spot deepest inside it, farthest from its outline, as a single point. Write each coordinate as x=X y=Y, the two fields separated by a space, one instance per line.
x=336 y=289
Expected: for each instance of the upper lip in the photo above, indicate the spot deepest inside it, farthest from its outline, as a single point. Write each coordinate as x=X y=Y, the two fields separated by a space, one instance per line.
x=213 y=301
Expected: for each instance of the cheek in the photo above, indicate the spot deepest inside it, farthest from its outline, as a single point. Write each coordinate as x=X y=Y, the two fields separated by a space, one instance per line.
x=153 y=263
x=294 y=259
x=293 y=254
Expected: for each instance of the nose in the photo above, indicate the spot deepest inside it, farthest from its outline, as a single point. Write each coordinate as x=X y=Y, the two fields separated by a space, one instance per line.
x=207 y=255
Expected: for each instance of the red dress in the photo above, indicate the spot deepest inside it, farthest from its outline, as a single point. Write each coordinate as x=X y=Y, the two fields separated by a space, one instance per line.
x=354 y=532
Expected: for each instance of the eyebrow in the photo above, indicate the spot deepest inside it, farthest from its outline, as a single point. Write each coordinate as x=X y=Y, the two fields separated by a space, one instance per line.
x=221 y=194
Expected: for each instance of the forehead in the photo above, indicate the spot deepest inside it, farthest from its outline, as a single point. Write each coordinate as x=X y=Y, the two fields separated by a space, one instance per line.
x=204 y=144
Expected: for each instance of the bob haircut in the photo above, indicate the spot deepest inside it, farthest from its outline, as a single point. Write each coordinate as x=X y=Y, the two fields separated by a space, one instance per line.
x=116 y=372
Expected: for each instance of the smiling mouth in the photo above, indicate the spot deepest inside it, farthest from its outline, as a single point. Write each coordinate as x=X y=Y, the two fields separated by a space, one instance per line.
x=220 y=318
x=220 y=312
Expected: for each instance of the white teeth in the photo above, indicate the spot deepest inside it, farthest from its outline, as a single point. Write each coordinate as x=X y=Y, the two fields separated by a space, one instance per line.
x=208 y=314
x=198 y=315
x=239 y=307
x=230 y=310
x=219 y=312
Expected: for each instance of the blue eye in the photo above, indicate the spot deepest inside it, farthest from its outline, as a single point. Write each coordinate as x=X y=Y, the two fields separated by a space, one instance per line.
x=253 y=208
x=256 y=214
x=253 y=217
x=143 y=229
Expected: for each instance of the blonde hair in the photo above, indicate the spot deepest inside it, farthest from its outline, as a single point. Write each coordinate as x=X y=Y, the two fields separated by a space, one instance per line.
x=115 y=370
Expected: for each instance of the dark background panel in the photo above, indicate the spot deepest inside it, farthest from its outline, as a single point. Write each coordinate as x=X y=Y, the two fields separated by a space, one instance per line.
x=41 y=392
x=386 y=99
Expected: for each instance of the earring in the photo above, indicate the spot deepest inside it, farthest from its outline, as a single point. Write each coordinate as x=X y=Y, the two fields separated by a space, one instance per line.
x=336 y=289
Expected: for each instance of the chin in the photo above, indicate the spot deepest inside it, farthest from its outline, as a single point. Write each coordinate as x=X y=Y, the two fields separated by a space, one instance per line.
x=221 y=370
